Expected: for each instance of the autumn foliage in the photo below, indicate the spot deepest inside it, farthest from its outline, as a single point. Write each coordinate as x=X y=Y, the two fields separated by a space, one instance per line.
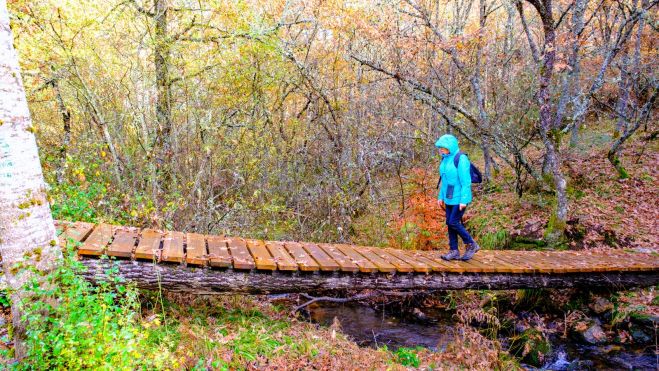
x=421 y=225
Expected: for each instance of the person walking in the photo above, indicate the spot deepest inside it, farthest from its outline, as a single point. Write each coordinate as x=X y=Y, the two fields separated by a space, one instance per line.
x=455 y=195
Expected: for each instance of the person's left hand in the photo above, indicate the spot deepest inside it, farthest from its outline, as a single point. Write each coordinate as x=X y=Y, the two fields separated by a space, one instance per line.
x=462 y=207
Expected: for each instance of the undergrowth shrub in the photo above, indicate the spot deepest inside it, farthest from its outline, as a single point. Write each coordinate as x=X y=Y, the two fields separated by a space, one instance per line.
x=407 y=356
x=421 y=226
x=72 y=324
x=74 y=202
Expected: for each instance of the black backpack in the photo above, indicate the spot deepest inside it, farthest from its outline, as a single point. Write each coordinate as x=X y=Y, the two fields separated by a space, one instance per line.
x=474 y=173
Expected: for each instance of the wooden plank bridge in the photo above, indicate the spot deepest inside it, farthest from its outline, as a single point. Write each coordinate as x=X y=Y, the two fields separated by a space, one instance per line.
x=199 y=263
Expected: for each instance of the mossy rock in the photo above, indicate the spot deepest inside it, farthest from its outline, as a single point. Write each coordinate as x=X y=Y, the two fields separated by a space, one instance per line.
x=531 y=346
x=643 y=323
x=588 y=331
x=525 y=243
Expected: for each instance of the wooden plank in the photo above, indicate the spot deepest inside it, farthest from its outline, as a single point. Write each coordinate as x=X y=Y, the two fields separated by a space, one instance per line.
x=435 y=266
x=453 y=266
x=97 y=240
x=500 y=266
x=401 y=265
x=148 y=247
x=302 y=258
x=588 y=262
x=345 y=262
x=195 y=252
x=240 y=254
x=523 y=265
x=284 y=261
x=218 y=252
x=545 y=263
x=629 y=261
x=364 y=264
x=325 y=262
x=77 y=232
x=556 y=263
x=60 y=226
x=123 y=243
x=478 y=266
x=416 y=264
x=381 y=264
x=172 y=247
x=626 y=262
x=261 y=255
x=634 y=261
x=523 y=261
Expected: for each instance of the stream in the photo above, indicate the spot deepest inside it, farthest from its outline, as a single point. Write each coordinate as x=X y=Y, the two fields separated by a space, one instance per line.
x=375 y=328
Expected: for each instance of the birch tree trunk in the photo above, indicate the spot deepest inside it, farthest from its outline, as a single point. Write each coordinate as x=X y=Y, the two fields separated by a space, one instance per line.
x=27 y=233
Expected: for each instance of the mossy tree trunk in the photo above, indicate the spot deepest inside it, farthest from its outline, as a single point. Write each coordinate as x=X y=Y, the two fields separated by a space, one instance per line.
x=548 y=132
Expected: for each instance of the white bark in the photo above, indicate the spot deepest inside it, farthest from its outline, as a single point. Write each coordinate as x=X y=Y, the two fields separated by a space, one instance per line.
x=27 y=233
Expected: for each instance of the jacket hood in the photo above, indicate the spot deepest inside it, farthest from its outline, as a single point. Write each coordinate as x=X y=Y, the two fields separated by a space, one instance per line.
x=449 y=142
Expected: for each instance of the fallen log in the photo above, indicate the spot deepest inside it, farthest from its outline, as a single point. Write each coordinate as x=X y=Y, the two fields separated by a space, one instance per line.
x=179 y=278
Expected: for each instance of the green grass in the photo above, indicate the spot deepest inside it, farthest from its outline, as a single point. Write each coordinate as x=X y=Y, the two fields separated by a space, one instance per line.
x=72 y=324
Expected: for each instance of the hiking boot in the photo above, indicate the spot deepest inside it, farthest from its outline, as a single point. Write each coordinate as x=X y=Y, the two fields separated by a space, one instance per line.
x=452 y=255
x=471 y=250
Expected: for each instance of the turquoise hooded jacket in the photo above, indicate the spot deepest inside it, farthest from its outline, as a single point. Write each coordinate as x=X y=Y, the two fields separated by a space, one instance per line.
x=456 y=182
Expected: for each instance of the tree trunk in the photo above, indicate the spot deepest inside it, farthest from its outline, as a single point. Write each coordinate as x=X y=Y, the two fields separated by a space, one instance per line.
x=27 y=233
x=549 y=133
x=476 y=84
x=66 y=139
x=571 y=89
x=161 y=54
x=643 y=116
x=626 y=25
x=147 y=275
x=534 y=49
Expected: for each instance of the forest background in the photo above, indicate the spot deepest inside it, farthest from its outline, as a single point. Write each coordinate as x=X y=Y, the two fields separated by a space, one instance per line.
x=316 y=119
